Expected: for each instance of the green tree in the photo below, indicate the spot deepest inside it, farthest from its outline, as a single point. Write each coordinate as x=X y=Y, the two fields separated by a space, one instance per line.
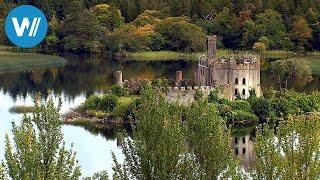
x=181 y=35
x=291 y=69
x=158 y=149
x=210 y=142
x=313 y=17
x=225 y=24
x=38 y=150
x=291 y=152
x=250 y=34
x=81 y=32
x=262 y=108
x=259 y=47
x=174 y=142
x=270 y=24
x=301 y=32
x=3 y=37
x=130 y=38
x=3 y=175
x=148 y=17
x=108 y=16
x=52 y=40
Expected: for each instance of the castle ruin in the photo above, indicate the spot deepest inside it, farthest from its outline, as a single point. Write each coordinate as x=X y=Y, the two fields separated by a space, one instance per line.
x=237 y=74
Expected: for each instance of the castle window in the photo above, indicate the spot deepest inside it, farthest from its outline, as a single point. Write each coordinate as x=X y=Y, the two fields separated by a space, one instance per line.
x=244 y=81
x=236 y=140
x=243 y=150
x=236 y=92
x=243 y=140
x=244 y=92
x=237 y=81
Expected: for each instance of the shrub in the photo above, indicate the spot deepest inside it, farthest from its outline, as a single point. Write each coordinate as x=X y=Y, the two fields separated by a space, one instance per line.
x=198 y=95
x=240 y=105
x=96 y=113
x=262 y=108
x=240 y=115
x=93 y=102
x=126 y=111
x=181 y=35
x=119 y=91
x=108 y=102
x=213 y=97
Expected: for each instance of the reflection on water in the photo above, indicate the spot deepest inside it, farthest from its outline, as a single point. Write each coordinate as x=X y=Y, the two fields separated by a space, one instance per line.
x=86 y=76
x=82 y=77
x=74 y=82
x=242 y=145
x=243 y=149
x=93 y=149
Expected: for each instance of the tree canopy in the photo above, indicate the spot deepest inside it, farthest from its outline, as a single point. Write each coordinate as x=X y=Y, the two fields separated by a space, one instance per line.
x=287 y=25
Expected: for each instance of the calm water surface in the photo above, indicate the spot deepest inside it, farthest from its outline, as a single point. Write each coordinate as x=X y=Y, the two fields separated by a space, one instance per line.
x=73 y=82
x=80 y=78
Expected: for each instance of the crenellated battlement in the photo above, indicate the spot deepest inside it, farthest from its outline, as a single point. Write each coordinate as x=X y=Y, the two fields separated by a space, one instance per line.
x=236 y=69
x=189 y=88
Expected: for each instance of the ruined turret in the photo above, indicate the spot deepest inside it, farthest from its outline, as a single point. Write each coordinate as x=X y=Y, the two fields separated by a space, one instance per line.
x=211 y=47
x=240 y=73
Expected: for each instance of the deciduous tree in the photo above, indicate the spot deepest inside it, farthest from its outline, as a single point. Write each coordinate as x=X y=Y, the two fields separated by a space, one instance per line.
x=301 y=32
x=37 y=150
x=291 y=152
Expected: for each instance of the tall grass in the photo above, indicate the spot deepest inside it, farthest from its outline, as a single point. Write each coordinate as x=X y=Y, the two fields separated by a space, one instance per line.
x=160 y=56
x=172 y=55
x=22 y=109
x=10 y=61
x=314 y=63
x=169 y=55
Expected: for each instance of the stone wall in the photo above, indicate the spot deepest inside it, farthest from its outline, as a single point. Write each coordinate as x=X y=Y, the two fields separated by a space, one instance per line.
x=238 y=74
x=185 y=95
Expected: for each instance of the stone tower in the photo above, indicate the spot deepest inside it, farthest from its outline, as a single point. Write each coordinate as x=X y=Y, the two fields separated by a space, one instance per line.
x=211 y=47
x=237 y=74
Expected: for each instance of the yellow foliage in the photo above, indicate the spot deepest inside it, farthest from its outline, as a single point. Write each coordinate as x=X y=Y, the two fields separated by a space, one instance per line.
x=101 y=7
x=146 y=30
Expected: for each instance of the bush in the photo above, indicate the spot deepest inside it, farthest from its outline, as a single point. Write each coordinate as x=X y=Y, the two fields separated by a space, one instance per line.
x=181 y=35
x=213 y=97
x=119 y=91
x=262 y=108
x=105 y=103
x=96 y=113
x=108 y=102
x=93 y=102
x=198 y=95
x=239 y=115
x=240 y=105
x=126 y=111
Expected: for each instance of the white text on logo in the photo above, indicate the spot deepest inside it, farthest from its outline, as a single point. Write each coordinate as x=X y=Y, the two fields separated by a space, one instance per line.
x=26 y=25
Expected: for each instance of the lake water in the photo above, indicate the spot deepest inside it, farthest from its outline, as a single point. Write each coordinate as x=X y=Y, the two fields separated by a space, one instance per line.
x=73 y=82
x=80 y=78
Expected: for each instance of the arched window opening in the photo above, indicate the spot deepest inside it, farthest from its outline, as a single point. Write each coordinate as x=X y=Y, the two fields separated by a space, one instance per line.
x=244 y=81
x=236 y=92
x=237 y=81
x=243 y=150
x=244 y=92
x=243 y=140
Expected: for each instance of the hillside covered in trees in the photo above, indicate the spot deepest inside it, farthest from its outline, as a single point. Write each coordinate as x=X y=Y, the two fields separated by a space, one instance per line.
x=177 y=25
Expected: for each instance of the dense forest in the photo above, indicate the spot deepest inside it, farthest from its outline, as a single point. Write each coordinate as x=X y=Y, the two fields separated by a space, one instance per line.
x=177 y=25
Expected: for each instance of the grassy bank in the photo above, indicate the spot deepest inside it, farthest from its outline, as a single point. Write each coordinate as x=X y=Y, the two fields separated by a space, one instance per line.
x=10 y=61
x=22 y=109
x=168 y=55
x=172 y=55
x=314 y=64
